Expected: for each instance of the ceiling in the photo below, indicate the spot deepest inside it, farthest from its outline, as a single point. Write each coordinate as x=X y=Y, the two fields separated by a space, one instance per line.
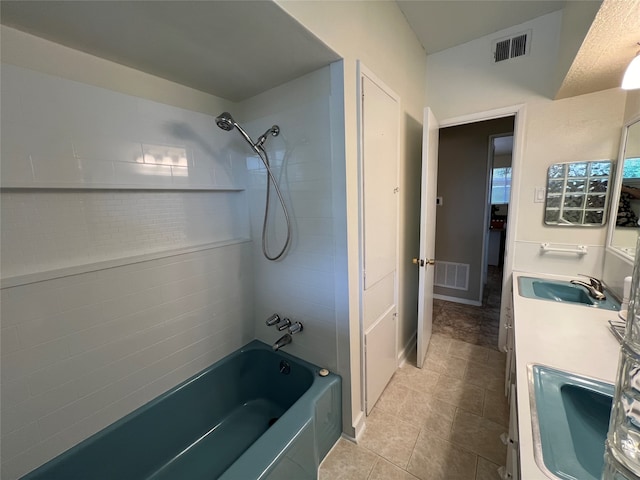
x=230 y=49
x=602 y=55
x=610 y=44
x=442 y=24
x=237 y=49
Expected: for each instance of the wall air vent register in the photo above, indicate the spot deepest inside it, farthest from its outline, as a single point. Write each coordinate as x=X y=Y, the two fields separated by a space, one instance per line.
x=513 y=46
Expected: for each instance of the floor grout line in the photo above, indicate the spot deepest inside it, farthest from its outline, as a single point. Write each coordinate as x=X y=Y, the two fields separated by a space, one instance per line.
x=443 y=356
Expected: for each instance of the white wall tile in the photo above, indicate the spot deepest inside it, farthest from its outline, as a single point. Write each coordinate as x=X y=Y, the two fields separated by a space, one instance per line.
x=9 y=340
x=73 y=376
x=51 y=230
x=18 y=171
x=21 y=439
x=191 y=176
x=302 y=285
x=14 y=393
x=26 y=361
x=105 y=148
x=52 y=400
x=65 y=133
x=142 y=174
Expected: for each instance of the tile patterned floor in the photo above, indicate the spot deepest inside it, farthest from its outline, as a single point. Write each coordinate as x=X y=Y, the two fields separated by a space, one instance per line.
x=477 y=325
x=441 y=422
x=436 y=423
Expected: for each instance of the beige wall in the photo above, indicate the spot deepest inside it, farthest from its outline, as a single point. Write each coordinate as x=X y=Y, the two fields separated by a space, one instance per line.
x=377 y=34
x=462 y=182
x=632 y=106
x=461 y=81
x=579 y=128
x=464 y=79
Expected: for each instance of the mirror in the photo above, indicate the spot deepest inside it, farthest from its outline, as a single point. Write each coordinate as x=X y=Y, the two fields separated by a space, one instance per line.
x=577 y=194
x=624 y=233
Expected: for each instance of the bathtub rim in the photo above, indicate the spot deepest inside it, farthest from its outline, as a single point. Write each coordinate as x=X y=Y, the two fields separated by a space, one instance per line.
x=318 y=385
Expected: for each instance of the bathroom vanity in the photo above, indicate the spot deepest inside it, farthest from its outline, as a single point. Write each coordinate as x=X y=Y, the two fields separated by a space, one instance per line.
x=565 y=336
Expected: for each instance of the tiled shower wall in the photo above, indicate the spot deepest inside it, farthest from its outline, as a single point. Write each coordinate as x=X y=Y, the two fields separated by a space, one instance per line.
x=82 y=351
x=303 y=286
x=110 y=296
x=54 y=229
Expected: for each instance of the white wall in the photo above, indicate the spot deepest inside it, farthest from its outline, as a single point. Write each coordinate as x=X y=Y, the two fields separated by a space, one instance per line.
x=462 y=80
x=109 y=297
x=377 y=34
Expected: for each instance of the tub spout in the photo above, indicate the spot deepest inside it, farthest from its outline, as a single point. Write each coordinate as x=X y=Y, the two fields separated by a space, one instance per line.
x=281 y=342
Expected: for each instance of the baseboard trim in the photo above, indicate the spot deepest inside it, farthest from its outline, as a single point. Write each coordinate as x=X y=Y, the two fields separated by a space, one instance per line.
x=359 y=426
x=464 y=301
x=409 y=346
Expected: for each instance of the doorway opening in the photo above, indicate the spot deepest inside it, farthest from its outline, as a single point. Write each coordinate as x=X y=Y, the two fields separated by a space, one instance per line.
x=474 y=186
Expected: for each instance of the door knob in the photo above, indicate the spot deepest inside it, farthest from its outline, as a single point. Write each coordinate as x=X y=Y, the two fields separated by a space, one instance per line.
x=421 y=263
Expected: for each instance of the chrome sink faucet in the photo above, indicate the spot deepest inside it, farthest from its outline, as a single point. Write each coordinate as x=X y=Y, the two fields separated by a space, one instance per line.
x=594 y=282
x=593 y=291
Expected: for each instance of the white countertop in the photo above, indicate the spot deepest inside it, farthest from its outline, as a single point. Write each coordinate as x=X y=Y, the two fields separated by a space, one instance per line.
x=568 y=337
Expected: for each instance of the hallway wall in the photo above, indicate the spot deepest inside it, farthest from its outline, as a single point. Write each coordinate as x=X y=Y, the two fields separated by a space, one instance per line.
x=462 y=182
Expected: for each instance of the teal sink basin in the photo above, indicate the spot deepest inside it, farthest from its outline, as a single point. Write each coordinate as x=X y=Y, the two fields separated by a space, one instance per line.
x=570 y=419
x=563 y=291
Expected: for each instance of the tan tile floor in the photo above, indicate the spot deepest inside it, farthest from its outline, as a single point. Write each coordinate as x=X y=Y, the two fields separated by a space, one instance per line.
x=441 y=422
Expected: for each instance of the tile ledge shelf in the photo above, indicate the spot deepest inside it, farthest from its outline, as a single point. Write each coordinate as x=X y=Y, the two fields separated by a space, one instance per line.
x=105 y=186
x=18 y=280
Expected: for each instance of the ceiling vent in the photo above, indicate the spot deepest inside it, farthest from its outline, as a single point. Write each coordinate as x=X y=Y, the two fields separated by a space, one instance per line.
x=511 y=47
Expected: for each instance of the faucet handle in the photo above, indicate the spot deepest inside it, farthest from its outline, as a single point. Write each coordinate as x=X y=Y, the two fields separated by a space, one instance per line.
x=285 y=324
x=295 y=328
x=273 y=319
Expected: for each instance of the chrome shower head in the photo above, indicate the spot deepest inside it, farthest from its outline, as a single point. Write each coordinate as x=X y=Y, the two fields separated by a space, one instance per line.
x=225 y=121
x=274 y=130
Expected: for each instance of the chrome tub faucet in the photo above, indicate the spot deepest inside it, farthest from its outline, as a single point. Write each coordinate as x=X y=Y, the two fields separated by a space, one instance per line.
x=287 y=338
x=282 y=341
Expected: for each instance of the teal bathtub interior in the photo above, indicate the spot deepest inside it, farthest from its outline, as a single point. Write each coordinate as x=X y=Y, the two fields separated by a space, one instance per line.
x=570 y=420
x=256 y=414
x=563 y=291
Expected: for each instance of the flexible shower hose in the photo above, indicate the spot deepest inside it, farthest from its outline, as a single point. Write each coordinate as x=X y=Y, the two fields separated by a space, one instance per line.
x=272 y=179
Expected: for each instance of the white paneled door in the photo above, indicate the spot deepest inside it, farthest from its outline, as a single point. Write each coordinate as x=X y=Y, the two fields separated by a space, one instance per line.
x=379 y=126
x=426 y=261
